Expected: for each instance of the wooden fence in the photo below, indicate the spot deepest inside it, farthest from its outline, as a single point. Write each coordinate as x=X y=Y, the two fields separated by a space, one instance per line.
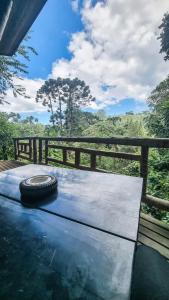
x=37 y=150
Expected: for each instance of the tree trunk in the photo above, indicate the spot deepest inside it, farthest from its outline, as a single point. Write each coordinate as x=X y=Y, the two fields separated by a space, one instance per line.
x=51 y=107
x=69 y=121
x=60 y=114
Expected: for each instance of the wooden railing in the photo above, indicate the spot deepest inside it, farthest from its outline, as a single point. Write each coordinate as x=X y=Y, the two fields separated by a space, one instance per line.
x=37 y=150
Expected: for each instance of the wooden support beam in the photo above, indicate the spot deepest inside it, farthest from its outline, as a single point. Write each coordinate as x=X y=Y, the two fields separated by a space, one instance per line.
x=93 y=161
x=40 y=151
x=64 y=155
x=77 y=158
x=30 y=149
x=15 y=149
x=34 y=151
x=144 y=167
x=46 y=152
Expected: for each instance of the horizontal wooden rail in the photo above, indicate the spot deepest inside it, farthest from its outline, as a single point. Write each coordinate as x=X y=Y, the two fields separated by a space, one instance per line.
x=38 y=151
x=122 y=155
x=69 y=164
x=24 y=157
x=157 y=202
x=128 y=141
x=24 y=144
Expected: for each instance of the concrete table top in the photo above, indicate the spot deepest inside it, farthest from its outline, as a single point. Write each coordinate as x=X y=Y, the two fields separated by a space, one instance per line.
x=107 y=202
x=44 y=257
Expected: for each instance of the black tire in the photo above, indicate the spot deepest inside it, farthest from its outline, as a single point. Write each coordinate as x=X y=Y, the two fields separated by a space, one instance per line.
x=38 y=187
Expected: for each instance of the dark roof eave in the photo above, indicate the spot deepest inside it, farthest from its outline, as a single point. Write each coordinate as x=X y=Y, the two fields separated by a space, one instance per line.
x=16 y=18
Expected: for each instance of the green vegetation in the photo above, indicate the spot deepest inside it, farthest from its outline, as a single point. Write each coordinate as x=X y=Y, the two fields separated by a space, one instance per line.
x=12 y=68
x=64 y=97
x=164 y=36
x=101 y=126
x=11 y=126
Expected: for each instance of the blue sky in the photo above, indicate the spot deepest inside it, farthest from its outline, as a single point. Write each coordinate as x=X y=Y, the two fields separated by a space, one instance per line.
x=96 y=41
x=50 y=36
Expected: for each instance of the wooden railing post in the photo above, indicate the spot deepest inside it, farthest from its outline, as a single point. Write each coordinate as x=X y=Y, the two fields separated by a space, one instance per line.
x=30 y=148
x=40 y=150
x=15 y=149
x=46 y=151
x=77 y=158
x=144 y=167
x=34 y=151
x=64 y=155
x=93 y=161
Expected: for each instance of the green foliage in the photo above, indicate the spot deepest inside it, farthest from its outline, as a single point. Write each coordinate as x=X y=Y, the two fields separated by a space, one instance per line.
x=11 y=126
x=14 y=117
x=156 y=213
x=158 y=173
x=130 y=113
x=11 y=68
x=101 y=114
x=26 y=129
x=71 y=94
x=158 y=182
x=30 y=120
x=158 y=125
x=158 y=119
x=164 y=36
x=6 y=133
x=129 y=125
x=52 y=95
x=160 y=93
x=84 y=119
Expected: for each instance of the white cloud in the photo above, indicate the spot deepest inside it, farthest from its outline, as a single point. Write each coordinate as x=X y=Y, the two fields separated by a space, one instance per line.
x=20 y=104
x=118 y=47
x=75 y=5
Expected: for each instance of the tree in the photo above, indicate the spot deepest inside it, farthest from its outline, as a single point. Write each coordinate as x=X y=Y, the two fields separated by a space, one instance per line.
x=27 y=129
x=114 y=119
x=11 y=68
x=6 y=134
x=160 y=93
x=130 y=113
x=30 y=120
x=101 y=114
x=158 y=125
x=164 y=36
x=71 y=94
x=14 y=117
x=51 y=94
x=158 y=119
x=76 y=95
x=84 y=120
